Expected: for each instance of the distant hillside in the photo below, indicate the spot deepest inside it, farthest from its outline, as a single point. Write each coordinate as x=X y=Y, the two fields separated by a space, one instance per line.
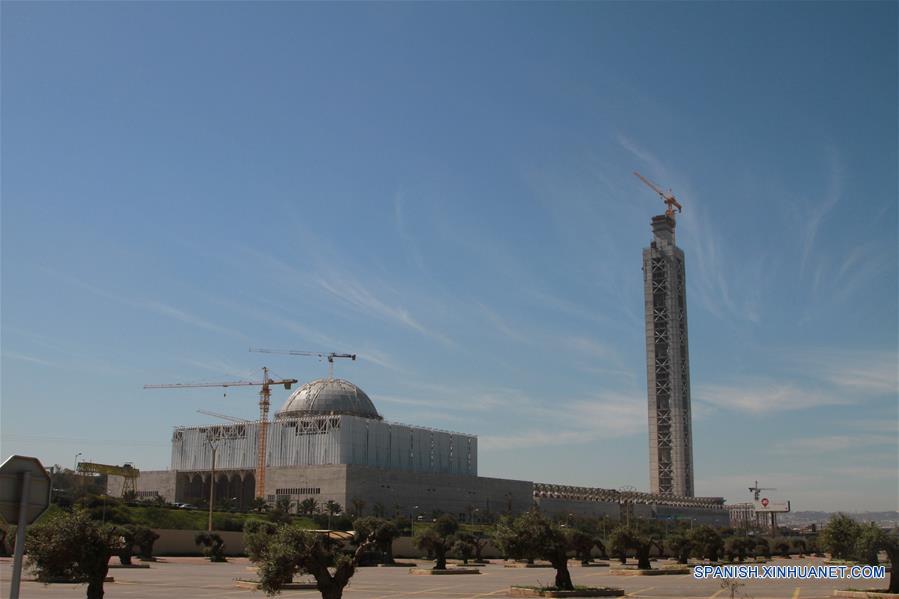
x=811 y=517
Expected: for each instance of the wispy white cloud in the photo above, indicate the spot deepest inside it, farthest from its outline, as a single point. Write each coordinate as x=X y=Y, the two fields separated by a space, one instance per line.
x=402 y=229
x=831 y=443
x=26 y=358
x=761 y=396
x=221 y=367
x=860 y=372
x=500 y=324
x=592 y=348
x=356 y=295
x=149 y=305
x=608 y=415
x=814 y=215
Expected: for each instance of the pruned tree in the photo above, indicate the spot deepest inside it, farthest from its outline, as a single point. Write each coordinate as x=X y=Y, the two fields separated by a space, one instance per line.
x=438 y=539
x=259 y=505
x=763 y=547
x=737 y=548
x=145 y=538
x=293 y=549
x=479 y=541
x=840 y=536
x=212 y=545
x=799 y=545
x=257 y=534
x=378 y=510
x=707 y=543
x=70 y=545
x=680 y=546
x=782 y=546
x=621 y=539
x=463 y=547
x=870 y=542
x=124 y=549
x=532 y=535
x=380 y=533
x=643 y=544
x=583 y=544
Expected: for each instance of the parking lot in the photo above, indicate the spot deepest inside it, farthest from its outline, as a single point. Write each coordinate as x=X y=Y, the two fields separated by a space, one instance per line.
x=194 y=577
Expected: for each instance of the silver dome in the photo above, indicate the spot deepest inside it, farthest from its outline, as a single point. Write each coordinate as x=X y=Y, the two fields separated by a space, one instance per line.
x=328 y=396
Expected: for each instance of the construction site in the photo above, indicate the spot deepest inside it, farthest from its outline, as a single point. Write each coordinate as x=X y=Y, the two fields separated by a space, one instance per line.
x=329 y=442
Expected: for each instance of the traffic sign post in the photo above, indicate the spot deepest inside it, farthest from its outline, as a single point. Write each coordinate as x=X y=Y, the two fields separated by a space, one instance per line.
x=24 y=496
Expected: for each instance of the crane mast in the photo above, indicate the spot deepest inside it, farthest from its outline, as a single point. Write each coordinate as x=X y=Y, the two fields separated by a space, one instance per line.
x=264 y=397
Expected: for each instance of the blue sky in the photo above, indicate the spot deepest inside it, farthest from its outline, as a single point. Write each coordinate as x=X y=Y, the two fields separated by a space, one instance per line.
x=446 y=190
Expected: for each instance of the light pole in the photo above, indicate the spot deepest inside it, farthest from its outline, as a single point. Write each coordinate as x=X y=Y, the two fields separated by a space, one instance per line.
x=412 y=519
x=75 y=480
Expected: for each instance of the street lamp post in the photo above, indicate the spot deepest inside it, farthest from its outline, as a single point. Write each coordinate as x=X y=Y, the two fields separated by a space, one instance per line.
x=75 y=480
x=412 y=519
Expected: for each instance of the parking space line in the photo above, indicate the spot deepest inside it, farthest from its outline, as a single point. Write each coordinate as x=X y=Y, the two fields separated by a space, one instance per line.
x=716 y=593
x=796 y=592
x=632 y=593
x=408 y=593
x=491 y=593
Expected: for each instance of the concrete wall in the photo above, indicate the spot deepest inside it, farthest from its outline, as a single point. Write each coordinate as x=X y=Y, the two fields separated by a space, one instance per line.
x=400 y=491
x=562 y=507
x=330 y=482
x=181 y=542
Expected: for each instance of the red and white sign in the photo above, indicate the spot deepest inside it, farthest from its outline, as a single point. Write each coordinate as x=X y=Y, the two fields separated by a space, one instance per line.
x=765 y=501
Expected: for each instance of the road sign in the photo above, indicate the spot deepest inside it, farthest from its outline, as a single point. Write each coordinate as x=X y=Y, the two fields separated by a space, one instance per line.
x=11 y=481
x=768 y=506
x=24 y=496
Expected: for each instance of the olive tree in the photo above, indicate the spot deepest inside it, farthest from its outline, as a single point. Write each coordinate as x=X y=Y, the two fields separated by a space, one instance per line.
x=212 y=545
x=582 y=542
x=680 y=547
x=707 y=543
x=438 y=539
x=464 y=546
x=72 y=546
x=257 y=534
x=382 y=534
x=783 y=548
x=293 y=550
x=144 y=538
x=533 y=535
x=840 y=535
x=621 y=539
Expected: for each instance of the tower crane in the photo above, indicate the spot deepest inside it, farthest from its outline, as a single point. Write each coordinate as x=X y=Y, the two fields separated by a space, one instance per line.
x=757 y=490
x=668 y=198
x=320 y=355
x=264 y=394
x=234 y=419
x=129 y=473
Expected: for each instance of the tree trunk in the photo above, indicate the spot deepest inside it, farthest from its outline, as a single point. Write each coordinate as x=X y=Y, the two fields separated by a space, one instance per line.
x=95 y=583
x=893 y=554
x=563 y=577
x=330 y=591
x=643 y=557
x=440 y=553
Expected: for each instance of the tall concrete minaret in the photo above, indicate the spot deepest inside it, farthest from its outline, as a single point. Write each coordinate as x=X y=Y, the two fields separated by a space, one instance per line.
x=667 y=362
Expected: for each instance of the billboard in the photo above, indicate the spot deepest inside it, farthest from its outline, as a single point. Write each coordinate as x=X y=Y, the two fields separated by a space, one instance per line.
x=764 y=505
